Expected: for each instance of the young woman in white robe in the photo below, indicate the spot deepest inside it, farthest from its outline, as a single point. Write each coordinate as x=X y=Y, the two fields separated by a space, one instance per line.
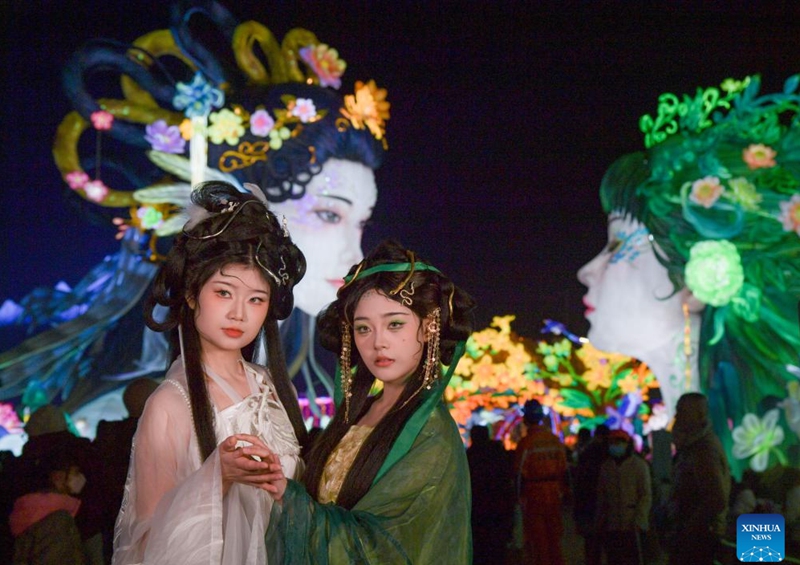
x=197 y=489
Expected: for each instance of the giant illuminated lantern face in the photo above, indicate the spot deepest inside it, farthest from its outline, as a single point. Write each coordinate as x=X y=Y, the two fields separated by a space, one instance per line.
x=711 y=303
x=634 y=308
x=327 y=224
x=631 y=304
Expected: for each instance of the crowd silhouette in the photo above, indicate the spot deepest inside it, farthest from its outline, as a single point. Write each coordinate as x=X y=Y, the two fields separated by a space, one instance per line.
x=596 y=502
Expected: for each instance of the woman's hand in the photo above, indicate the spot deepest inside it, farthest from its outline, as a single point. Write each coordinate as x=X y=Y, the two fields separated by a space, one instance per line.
x=253 y=465
x=278 y=484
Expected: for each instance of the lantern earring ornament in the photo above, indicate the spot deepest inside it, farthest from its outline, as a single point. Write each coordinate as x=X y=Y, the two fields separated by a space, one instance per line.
x=687 y=344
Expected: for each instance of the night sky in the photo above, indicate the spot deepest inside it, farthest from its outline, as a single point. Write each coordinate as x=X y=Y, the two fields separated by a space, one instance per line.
x=504 y=117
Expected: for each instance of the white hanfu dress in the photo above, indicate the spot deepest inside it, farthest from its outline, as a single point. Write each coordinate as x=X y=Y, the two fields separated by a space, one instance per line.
x=173 y=511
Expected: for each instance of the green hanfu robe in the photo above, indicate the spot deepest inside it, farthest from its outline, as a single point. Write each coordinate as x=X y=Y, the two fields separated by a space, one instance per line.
x=417 y=511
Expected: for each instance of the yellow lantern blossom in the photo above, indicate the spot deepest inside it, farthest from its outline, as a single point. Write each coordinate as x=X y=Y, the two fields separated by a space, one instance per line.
x=367 y=108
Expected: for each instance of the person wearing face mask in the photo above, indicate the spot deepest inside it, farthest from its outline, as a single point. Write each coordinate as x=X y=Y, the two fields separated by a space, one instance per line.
x=700 y=483
x=56 y=468
x=624 y=498
x=43 y=521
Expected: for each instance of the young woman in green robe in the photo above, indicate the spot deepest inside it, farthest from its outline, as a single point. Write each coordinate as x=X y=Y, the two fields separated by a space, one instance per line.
x=387 y=481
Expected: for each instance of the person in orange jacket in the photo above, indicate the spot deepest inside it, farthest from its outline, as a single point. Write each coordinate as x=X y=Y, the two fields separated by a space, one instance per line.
x=541 y=467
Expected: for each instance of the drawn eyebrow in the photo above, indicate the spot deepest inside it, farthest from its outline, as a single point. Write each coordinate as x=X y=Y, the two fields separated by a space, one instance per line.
x=342 y=198
x=387 y=315
x=226 y=283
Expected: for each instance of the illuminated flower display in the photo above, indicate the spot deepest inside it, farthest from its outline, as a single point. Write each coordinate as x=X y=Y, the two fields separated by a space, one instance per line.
x=790 y=214
x=580 y=384
x=198 y=97
x=77 y=179
x=150 y=217
x=261 y=123
x=714 y=271
x=187 y=129
x=102 y=120
x=95 y=190
x=706 y=191
x=759 y=156
x=304 y=110
x=326 y=64
x=225 y=126
x=367 y=108
x=757 y=438
x=744 y=193
x=164 y=137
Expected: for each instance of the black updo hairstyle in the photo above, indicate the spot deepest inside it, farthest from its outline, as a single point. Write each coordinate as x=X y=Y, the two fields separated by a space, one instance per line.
x=431 y=290
x=248 y=234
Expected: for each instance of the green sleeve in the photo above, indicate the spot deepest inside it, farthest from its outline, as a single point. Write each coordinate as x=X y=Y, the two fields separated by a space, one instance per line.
x=417 y=512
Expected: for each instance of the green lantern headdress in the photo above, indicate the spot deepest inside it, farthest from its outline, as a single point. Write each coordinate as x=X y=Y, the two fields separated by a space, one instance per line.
x=718 y=188
x=722 y=196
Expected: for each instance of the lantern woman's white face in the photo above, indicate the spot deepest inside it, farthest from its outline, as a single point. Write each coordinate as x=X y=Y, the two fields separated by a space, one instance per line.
x=327 y=225
x=631 y=304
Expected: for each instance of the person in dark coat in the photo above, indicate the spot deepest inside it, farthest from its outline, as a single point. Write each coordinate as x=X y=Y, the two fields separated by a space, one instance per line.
x=113 y=439
x=492 y=478
x=585 y=489
x=700 y=484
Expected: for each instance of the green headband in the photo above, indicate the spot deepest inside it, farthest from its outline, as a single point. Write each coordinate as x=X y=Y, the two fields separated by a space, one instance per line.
x=411 y=267
x=390 y=267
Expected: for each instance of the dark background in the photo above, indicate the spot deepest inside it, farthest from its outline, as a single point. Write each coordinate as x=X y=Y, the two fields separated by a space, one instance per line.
x=504 y=116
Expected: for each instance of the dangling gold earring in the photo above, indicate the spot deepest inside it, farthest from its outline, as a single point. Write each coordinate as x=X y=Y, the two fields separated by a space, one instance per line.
x=687 y=344
x=431 y=362
x=432 y=357
x=344 y=365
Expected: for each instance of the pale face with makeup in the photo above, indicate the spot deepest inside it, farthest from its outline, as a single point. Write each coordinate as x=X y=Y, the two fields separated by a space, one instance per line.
x=630 y=303
x=327 y=225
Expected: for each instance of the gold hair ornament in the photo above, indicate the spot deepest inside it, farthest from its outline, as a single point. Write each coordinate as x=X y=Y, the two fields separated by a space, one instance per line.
x=450 y=300
x=344 y=366
x=233 y=209
x=388 y=268
x=413 y=264
x=407 y=294
x=432 y=355
x=432 y=358
x=279 y=280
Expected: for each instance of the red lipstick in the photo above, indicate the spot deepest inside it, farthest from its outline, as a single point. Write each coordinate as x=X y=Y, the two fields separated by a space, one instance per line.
x=383 y=361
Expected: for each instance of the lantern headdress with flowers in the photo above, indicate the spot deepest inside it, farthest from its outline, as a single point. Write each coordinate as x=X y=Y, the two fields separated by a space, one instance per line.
x=189 y=107
x=272 y=120
x=718 y=188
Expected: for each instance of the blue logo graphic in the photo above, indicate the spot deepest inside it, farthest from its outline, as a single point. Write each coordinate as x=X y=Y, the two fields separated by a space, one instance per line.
x=760 y=538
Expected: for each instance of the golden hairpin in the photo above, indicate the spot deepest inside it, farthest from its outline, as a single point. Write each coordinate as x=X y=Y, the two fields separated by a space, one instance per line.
x=233 y=213
x=450 y=300
x=412 y=261
x=278 y=280
x=355 y=276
